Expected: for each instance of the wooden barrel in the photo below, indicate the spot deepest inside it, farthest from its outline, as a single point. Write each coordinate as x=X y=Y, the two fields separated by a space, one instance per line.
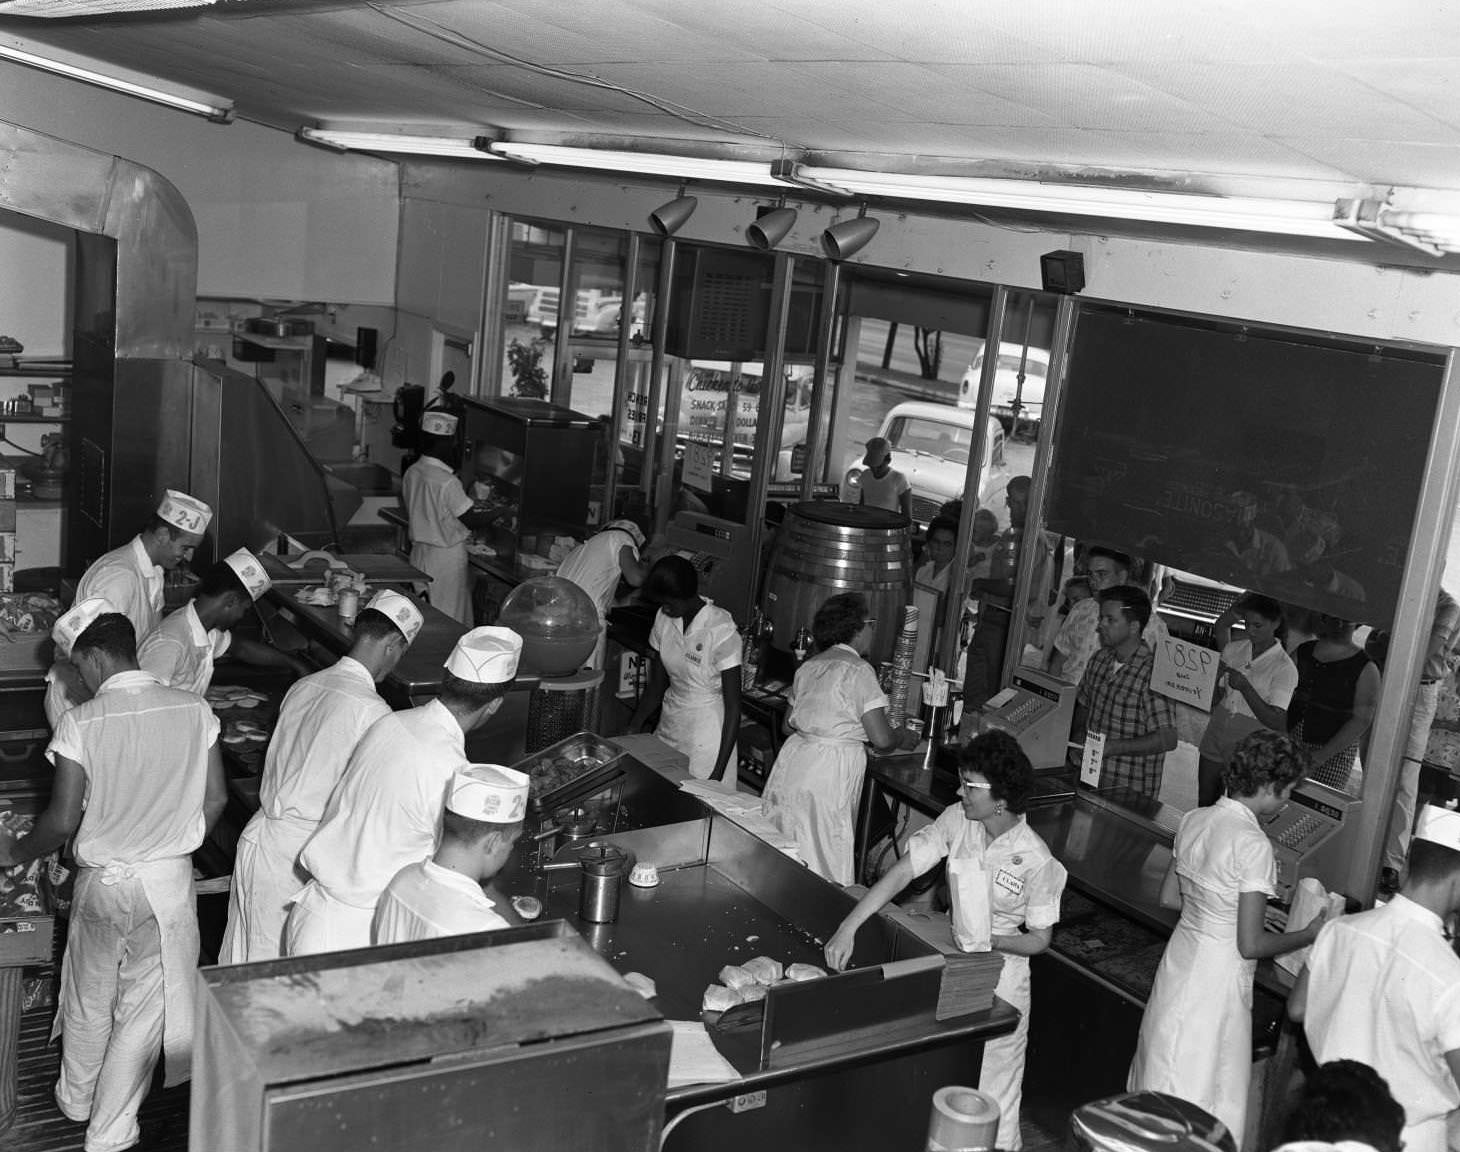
x=825 y=548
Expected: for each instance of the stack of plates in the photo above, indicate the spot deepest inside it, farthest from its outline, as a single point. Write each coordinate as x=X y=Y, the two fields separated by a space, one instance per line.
x=968 y=983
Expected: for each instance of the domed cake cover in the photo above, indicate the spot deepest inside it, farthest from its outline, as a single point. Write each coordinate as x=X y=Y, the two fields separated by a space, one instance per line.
x=557 y=621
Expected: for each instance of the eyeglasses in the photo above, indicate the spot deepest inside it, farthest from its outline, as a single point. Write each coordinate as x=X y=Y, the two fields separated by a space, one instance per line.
x=975 y=785
x=869 y=620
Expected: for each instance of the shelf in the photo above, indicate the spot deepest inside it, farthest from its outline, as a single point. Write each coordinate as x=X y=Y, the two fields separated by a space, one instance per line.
x=54 y=373
x=278 y=343
x=31 y=418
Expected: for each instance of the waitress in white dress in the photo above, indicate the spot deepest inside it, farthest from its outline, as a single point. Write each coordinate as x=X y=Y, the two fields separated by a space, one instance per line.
x=1004 y=886
x=836 y=707
x=1196 y=1035
x=695 y=672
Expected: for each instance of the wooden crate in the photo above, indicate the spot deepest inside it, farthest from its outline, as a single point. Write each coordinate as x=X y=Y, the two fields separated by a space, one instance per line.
x=26 y=940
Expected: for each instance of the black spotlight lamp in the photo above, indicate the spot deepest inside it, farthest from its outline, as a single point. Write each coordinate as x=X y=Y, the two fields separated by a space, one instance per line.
x=846 y=238
x=771 y=227
x=669 y=218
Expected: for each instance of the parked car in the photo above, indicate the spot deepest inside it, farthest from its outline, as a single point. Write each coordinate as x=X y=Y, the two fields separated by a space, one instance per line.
x=1008 y=400
x=930 y=445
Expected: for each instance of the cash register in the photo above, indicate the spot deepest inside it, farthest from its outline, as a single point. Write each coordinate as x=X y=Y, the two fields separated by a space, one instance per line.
x=1037 y=709
x=720 y=552
x=1313 y=836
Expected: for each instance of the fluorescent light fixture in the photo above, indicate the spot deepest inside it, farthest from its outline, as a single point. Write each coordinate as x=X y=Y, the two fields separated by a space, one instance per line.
x=794 y=173
x=1247 y=214
x=89 y=71
x=755 y=172
x=462 y=147
x=1433 y=233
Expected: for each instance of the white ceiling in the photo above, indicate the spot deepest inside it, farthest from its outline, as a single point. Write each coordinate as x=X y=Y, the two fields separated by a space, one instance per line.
x=1236 y=96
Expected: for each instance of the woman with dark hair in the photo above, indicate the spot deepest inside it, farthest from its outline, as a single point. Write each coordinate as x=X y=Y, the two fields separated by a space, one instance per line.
x=695 y=672
x=1334 y=703
x=1196 y=1035
x=1345 y=1101
x=1254 y=685
x=1004 y=886
x=836 y=706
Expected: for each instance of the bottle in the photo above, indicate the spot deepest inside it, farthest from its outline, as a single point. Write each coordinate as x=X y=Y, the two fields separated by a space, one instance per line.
x=801 y=646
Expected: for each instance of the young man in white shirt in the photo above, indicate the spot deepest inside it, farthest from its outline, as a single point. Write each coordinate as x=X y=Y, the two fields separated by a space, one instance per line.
x=443 y=896
x=138 y=782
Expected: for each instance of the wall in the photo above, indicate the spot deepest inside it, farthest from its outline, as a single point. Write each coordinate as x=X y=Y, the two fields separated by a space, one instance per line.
x=276 y=218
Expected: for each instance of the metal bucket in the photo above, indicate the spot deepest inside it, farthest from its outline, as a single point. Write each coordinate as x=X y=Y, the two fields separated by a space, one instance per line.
x=825 y=548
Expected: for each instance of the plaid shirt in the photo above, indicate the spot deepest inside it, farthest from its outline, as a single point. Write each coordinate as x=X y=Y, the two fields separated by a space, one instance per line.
x=1119 y=702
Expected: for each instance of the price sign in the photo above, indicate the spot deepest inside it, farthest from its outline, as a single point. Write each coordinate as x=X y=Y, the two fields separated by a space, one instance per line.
x=1092 y=759
x=699 y=466
x=1185 y=672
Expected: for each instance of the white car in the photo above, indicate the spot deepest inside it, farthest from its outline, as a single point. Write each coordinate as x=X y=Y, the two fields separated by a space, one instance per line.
x=1008 y=399
x=930 y=445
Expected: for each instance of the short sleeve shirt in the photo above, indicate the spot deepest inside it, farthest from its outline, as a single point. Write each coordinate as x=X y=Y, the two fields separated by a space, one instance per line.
x=1273 y=674
x=434 y=499
x=127 y=580
x=886 y=492
x=1026 y=881
x=425 y=900
x=180 y=653
x=708 y=647
x=831 y=694
x=1119 y=703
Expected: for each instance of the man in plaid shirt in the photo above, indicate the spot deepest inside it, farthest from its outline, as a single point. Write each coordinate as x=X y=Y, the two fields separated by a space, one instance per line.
x=1115 y=696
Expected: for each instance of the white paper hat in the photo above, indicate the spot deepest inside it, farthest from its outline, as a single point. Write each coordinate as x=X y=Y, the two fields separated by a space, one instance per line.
x=486 y=656
x=185 y=512
x=401 y=610
x=1439 y=826
x=68 y=628
x=250 y=571
x=489 y=792
x=438 y=424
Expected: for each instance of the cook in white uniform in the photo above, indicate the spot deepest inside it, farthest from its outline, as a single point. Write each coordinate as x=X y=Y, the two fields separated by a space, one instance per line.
x=1001 y=878
x=599 y=563
x=1383 y=987
x=443 y=896
x=441 y=517
x=1196 y=1035
x=322 y=719
x=138 y=782
x=129 y=579
x=836 y=705
x=181 y=650
x=386 y=811
x=696 y=672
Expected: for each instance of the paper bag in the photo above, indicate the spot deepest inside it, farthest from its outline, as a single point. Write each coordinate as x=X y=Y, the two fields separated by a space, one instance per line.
x=1309 y=899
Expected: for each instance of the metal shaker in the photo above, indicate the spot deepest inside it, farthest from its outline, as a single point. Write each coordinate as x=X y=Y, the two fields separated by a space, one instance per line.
x=604 y=868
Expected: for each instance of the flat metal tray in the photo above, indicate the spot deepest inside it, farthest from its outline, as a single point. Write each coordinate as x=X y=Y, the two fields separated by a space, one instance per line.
x=562 y=794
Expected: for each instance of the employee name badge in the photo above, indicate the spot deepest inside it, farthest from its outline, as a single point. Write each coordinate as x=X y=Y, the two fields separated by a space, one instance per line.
x=1092 y=759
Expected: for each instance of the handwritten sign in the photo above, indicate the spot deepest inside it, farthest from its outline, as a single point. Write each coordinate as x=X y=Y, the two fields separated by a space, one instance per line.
x=699 y=466
x=1092 y=759
x=1186 y=672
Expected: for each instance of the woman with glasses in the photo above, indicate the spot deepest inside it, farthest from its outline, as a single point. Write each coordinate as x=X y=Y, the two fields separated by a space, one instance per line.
x=836 y=707
x=1004 y=889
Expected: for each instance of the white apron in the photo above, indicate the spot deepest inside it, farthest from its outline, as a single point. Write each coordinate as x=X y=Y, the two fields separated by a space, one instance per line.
x=168 y=888
x=690 y=722
x=265 y=880
x=450 y=589
x=812 y=796
x=320 y=923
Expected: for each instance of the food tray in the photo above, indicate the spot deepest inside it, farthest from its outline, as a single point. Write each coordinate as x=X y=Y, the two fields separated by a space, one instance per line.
x=558 y=786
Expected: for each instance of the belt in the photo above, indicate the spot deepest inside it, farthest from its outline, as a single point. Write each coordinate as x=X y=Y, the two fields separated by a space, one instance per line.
x=1430 y=679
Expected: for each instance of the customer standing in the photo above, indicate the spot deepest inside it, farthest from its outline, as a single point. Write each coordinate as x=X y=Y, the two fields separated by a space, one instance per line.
x=694 y=672
x=880 y=485
x=1005 y=887
x=1196 y=1034
x=138 y=783
x=1334 y=702
x=1255 y=683
x=836 y=706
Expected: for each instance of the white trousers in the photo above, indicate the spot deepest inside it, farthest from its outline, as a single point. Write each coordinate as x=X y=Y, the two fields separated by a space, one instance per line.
x=450 y=572
x=265 y=880
x=320 y=923
x=1401 y=816
x=1002 y=1073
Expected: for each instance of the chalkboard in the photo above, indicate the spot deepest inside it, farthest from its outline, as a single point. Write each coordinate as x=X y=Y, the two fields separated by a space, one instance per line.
x=1274 y=461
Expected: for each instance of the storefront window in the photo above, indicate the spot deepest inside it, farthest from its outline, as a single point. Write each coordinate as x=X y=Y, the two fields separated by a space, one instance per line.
x=534 y=283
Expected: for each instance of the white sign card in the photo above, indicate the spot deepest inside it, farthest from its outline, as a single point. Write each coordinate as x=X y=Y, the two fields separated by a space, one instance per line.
x=1186 y=672
x=1092 y=759
x=699 y=466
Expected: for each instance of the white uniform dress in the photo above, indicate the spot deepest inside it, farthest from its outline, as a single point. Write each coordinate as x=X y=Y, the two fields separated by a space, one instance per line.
x=694 y=703
x=180 y=652
x=425 y=901
x=131 y=584
x=434 y=500
x=1023 y=884
x=1384 y=989
x=814 y=788
x=127 y=980
x=1196 y=1035
x=322 y=719
x=594 y=567
x=385 y=814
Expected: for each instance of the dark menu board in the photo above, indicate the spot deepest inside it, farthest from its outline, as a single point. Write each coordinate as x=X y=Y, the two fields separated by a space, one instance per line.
x=1282 y=464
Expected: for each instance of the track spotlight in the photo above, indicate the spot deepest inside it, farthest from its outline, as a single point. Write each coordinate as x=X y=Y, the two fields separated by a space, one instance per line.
x=846 y=238
x=771 y=228
x=669 y=218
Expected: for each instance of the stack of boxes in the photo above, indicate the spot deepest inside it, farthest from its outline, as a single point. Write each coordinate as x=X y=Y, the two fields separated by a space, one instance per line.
x=7 y=529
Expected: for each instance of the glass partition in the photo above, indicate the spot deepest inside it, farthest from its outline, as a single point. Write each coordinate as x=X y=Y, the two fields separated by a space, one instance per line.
x=534 y=283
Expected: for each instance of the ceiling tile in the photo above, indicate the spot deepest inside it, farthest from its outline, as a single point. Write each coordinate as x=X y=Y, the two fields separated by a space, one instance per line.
x=1383 y=161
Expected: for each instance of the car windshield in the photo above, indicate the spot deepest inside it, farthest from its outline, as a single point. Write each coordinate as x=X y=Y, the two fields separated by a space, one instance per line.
x=931 y=438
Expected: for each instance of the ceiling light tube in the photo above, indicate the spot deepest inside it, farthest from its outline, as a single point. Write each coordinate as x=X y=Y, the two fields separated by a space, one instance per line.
x=755 y=172
x=462 y=147
x=1283 y=217
x=114 y=79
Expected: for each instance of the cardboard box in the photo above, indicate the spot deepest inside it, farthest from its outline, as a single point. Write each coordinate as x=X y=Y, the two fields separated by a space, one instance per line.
x=26 y=940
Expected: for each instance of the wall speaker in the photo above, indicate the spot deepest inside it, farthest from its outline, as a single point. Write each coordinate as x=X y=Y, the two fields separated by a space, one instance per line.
x=1062 y=271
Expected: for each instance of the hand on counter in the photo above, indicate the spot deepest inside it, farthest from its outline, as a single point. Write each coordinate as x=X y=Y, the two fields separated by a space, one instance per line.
x=838 y=949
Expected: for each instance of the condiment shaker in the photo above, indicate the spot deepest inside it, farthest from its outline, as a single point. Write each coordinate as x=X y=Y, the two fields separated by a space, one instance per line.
x=603 y=868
